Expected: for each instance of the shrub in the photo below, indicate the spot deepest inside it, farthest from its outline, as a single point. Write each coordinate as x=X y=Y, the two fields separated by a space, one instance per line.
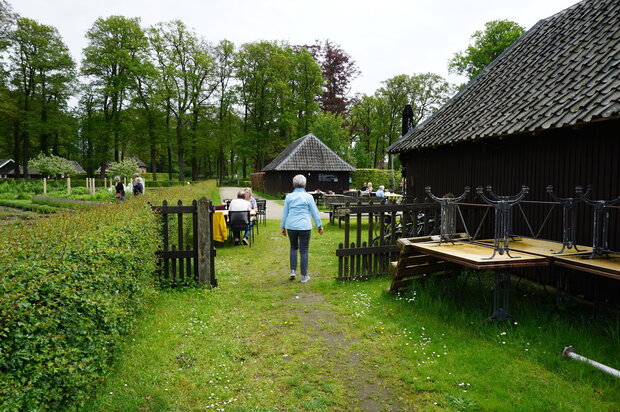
x=27 y=205
x=71 y=285
x=378 y=177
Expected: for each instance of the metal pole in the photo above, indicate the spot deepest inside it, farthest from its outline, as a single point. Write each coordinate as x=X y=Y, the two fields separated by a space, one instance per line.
x=569 y=352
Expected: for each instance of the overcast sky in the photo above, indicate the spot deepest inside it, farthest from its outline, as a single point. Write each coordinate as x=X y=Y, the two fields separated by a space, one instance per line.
x=384 y=37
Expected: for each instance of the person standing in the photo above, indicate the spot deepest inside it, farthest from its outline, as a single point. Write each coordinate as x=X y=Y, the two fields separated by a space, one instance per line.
x=299 y=210
x=120 y=189
x=138 y=184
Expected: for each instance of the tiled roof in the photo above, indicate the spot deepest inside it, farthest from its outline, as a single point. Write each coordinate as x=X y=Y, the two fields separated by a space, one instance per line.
x=78 y=168
x=308 y=153
x=563 y=71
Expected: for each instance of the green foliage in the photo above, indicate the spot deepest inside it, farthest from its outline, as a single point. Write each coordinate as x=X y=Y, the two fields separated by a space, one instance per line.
x=125 y=168
x=71 y=285
x=51 y=165
x=328 y=127
x=377 y=177
x=27 y=205
x=487 y=45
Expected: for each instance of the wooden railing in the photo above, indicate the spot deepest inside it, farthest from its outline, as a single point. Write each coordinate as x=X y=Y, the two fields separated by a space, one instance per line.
x=371 y=232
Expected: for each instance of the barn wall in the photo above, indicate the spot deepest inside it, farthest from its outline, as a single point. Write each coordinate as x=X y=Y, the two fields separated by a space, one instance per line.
x=282 y=182
x=563 y=158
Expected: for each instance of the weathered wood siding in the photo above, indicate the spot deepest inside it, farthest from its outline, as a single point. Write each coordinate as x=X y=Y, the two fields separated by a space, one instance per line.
x=563 y=158
x=282 y=182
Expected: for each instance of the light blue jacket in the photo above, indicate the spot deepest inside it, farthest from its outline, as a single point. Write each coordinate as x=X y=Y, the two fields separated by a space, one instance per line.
x=299 y=206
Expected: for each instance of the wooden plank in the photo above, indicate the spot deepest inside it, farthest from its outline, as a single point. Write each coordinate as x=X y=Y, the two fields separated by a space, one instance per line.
x=205 y=249
x=366 y=250
x=411 y=260
x=601 y=266
x=173 y=209
x=420 y=269
x=175 y=254
x=475 y=256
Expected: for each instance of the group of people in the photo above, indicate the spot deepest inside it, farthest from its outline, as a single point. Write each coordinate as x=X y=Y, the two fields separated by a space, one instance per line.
x=367 y=190
x=138 y=186
x=296 y=223
x=241 y=222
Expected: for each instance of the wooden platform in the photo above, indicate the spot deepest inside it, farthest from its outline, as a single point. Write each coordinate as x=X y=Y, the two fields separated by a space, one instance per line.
x=475 y=255
x=540 y=247
x=609 y=267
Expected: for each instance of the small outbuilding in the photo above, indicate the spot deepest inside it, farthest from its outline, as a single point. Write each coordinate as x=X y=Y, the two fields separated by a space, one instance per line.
x=6 y=166
x=310 y=157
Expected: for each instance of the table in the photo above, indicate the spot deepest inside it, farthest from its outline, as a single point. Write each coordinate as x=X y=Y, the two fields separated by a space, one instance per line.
x=476 y=256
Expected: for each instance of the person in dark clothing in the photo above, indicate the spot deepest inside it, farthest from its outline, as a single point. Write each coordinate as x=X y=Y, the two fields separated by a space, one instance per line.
x=120 y=189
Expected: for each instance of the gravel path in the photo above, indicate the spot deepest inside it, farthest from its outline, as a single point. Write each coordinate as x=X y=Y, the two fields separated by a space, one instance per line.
x=274 y=210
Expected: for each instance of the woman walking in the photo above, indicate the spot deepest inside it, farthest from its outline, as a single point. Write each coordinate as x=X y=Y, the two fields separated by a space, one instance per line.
x=299 y=208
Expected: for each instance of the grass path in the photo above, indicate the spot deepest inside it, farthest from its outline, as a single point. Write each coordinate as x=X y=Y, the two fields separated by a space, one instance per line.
x=262 y=342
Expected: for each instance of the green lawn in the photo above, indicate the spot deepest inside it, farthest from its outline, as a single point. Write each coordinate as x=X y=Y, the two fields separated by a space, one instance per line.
x=262 y=342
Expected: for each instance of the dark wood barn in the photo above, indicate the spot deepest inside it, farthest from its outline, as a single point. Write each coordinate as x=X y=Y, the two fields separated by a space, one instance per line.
x=307 y=155
x=6 y=166
x=546 y=112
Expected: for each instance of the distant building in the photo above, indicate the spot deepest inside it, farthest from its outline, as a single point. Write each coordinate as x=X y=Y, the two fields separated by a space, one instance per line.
x=6 y=166
x=310 y=157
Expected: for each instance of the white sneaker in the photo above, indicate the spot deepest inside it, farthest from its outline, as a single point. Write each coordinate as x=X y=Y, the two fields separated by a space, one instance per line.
x=292 y=277
x=305 y=278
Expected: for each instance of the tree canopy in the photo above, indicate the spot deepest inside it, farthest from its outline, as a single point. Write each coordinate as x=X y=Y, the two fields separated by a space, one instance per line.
x=485 y=47
x=192 y=107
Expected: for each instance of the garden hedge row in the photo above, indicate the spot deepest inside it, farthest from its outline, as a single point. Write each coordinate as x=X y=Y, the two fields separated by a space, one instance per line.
x=70 y=286
x=378 y=177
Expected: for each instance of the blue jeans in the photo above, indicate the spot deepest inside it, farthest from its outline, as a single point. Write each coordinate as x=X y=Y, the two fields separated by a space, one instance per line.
x=237 y=231
x=300 y=240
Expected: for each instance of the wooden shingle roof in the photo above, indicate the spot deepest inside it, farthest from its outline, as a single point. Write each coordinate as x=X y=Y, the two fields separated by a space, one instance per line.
x=308 y=153
x=563 y=71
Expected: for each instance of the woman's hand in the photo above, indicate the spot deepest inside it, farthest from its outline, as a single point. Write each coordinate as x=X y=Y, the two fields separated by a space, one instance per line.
x=283 y=231
x=321 y=230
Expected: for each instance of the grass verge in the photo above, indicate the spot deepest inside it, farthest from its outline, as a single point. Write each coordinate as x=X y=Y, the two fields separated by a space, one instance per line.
x=262 y=342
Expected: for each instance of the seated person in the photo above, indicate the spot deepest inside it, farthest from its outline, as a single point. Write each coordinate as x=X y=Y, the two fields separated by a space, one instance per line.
x=250 y=198
x=381 y=193
x=240 y=221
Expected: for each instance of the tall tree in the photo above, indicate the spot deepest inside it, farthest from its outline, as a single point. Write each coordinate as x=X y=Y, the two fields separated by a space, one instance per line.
x=224 y=55
x=339 y=70
x=486 y=46
x=42 y=71
x=115 y=45
x=185 y=64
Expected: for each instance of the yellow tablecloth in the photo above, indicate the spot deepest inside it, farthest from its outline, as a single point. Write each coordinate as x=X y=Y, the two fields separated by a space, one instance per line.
x=220 y=231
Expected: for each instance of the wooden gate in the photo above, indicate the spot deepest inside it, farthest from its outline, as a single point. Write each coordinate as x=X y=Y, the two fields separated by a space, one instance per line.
x=183 y=259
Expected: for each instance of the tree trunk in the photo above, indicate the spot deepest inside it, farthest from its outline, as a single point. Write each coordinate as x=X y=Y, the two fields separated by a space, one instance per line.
x=180 y=151
x=16 y=146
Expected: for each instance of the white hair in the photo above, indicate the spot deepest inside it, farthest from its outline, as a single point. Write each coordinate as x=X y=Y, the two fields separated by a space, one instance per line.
x=381 y=187
x=299 y=181
x=117 y=178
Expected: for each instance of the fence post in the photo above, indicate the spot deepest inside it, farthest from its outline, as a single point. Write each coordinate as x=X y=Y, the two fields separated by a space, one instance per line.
x=204 y=243
x=68 y=185
x=44 y=186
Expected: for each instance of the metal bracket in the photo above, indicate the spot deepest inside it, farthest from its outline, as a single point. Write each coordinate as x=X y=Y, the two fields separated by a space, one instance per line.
x=503 y=217
x=448 y=214
x=569 y=216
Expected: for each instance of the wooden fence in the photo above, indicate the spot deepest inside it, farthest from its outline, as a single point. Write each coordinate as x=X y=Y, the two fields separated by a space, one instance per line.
x=371 y=232
x=182 y=259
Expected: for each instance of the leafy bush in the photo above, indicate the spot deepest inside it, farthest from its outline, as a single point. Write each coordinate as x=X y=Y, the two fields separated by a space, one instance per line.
x=378 y=177
x=125 y=168
x=71 y=285
x=50 y=165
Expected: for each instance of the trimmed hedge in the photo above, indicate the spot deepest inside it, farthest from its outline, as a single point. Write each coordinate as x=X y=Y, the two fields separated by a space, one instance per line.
x=28 y=205
x=377 y=177
x=71 y=285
